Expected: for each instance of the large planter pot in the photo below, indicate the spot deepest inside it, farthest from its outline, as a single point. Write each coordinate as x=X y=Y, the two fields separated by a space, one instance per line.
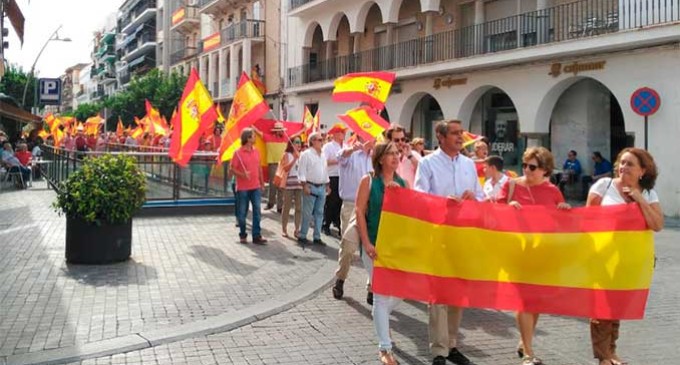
x=92 y=244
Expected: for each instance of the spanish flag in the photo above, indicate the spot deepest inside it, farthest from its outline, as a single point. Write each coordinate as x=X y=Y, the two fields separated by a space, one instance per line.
x=369 y=87
x=311 y=124
x=119 y=128
x=594 y=262
x=470 y=138
x=365 y=122
x=92 y=125
x=196 y=114
x=248 y=106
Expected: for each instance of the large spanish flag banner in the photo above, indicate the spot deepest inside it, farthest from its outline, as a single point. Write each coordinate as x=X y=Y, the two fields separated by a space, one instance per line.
x=196 y=114
x=365 y=122
x=369 y=87
x=248 y=107
x=592 y=262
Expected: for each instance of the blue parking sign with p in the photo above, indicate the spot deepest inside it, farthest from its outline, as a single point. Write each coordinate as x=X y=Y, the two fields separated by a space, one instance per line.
x=50 y=91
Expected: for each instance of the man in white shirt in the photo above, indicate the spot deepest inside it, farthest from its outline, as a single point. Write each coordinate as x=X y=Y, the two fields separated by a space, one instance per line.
x=331 y=212
x=355 y=163
x=495 y=178
x=446 y=172
x=313 y=175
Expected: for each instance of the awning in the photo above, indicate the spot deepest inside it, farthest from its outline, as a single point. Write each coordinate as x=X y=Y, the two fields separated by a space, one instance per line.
x=136 y=61
x=12 y=112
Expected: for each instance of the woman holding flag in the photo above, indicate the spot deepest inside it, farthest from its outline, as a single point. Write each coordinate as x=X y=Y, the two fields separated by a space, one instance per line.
x=635 y=176
x=368 y=209
x=533 y=188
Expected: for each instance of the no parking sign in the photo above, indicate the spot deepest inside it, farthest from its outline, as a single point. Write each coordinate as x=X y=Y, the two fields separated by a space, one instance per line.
x=645 y=101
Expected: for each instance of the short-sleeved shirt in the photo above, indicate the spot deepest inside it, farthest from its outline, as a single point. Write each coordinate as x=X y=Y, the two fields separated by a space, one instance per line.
x=603 y=167
x=611 y=196
x=247 y=160
x=330 y=151
x=543 y=194
x=492 y=190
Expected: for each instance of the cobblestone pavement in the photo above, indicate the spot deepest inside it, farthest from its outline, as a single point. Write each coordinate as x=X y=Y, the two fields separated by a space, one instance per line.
x=182 y=269
x=327 y=331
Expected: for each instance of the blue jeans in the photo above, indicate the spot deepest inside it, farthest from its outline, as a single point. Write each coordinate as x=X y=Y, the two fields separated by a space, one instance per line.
x=253 y=197
x=312 y=207
x=382 y=307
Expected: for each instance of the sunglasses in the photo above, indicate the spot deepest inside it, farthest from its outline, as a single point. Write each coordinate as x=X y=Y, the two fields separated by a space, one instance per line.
x=530 y=166
x=297 y=142
x=397 y=140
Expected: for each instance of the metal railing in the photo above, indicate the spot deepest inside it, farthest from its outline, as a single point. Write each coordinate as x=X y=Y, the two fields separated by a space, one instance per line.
x=182 y=54
x=203 y=179
x=575 y=20
x=136 y=11
x=248 y=28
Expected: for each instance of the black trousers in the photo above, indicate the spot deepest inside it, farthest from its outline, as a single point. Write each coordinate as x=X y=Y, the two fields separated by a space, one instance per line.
x=331 y=210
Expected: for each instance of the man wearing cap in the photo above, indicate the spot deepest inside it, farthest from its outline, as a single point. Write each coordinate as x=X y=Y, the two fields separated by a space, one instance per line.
x=331 y=212
x=276 y=139
x=313 y=175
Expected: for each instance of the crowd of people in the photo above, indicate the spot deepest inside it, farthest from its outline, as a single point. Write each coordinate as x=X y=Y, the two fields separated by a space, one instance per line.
x=340 y=182
x=17 y=158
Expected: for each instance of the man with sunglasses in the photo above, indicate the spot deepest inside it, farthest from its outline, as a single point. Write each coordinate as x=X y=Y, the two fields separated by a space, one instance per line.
x=408 y=159
x=313 y=175
x=446 y=172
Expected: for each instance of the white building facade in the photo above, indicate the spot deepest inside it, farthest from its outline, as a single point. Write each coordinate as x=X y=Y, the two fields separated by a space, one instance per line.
x=558 y=74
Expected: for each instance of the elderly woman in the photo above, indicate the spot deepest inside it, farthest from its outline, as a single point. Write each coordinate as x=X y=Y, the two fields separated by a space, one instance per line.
x=368 y=209
x=292 y=191
x=635 y=175
x=533 y=188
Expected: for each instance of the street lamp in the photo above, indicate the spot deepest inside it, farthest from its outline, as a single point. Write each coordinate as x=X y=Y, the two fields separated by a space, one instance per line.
x=53 y=37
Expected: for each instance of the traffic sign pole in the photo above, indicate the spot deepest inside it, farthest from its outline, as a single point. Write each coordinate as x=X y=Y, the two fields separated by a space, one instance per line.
x=646 y=132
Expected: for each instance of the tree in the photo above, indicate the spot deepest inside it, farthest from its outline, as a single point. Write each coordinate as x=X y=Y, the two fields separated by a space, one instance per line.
x=13 y=84
x=163 y=91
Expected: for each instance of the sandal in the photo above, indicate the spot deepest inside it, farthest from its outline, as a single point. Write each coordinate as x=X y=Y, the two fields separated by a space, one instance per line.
x=531 y=360
x=387 y=358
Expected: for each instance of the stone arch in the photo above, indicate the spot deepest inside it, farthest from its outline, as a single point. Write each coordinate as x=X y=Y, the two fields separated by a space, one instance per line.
x=309 y=33
x=547 y=104
x=331 y=32
x=409 y=107
x=395 y=6
x=359 y=22
x=468 y=105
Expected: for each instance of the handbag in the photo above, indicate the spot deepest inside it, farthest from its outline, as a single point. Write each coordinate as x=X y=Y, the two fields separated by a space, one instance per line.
x=281 y=175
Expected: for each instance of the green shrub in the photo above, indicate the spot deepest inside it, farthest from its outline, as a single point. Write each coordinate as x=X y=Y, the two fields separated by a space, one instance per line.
x=108 y=188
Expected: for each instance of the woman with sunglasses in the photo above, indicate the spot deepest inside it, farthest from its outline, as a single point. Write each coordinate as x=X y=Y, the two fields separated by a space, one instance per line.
x=533 y=188
x=635 y=176
x=293 y=189
x=368 y=209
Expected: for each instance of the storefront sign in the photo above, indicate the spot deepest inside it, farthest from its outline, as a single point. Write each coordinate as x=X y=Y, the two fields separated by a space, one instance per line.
x=574 y=68
x=448 y=82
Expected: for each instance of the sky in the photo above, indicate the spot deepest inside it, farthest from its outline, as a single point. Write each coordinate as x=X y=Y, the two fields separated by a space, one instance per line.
x=80 y=19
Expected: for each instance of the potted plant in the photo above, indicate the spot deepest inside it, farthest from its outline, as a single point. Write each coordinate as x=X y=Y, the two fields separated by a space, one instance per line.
x=98 y=201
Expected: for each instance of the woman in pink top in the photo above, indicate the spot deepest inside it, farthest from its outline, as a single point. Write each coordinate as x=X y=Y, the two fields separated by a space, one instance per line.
x=534 y=188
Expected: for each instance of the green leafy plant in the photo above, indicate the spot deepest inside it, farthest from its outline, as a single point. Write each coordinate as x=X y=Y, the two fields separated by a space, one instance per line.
x=108 y=188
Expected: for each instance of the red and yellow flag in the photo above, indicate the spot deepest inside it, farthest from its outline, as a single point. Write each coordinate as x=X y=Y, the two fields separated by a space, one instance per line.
x=119 y=128
x=248 y=106
x=92 y=125
x=310 y=124
x=220 y=117
x=594 y=262
x=369 y=87
x=470 y=138
x=196 y=114
x=365 y=122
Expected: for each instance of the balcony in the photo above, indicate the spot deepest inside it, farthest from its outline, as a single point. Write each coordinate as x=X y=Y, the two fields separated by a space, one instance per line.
x=182 y=54
x=185 y=19
x=105 y=52
x=124 y=78
x=581 y=19
x=144 y=43
x=139 y=14
x=216 y=7
x=241 y=30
